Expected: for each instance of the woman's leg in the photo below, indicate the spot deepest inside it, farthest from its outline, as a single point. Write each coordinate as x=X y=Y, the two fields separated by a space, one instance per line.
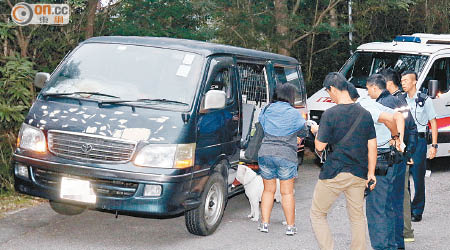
x=287 y=200
x=270 y=186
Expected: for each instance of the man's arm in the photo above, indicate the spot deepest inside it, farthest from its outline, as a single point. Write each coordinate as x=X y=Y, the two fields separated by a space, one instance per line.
x=395 y=123
x=320 y=146
x=434 y=134
x=372 y=159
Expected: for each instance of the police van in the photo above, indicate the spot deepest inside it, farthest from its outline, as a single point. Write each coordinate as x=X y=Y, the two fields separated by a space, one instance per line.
x=426 y=54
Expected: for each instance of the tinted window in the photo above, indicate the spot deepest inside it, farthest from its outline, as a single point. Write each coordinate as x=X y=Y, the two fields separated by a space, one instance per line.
x=290 y=75
x=439 y=71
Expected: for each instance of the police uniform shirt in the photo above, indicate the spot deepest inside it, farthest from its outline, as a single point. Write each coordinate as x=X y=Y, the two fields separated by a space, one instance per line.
x=375 y=109
x=423 y=114
x=400 y=105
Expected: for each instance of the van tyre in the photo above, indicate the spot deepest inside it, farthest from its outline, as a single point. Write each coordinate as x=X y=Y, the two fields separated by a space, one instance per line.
x=66 y=209
x=205 y=219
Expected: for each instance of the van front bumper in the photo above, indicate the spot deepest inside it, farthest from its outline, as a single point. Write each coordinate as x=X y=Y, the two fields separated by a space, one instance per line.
x=115 y=190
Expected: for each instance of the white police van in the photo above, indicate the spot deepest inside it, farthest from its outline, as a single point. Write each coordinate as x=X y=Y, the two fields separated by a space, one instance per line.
x=426 y=54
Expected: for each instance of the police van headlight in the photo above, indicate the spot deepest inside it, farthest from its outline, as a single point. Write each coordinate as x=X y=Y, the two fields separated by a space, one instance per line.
x=31 y=138
x=166 y=156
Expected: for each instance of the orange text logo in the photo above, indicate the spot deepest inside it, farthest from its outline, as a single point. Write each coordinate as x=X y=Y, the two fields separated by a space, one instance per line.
x=51 y=14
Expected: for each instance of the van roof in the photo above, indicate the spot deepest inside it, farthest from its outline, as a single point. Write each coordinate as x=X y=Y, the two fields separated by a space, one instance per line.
x=418 y=43
x=203 y=48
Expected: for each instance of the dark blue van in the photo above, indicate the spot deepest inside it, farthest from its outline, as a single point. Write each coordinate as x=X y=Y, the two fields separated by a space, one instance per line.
x=147 y=126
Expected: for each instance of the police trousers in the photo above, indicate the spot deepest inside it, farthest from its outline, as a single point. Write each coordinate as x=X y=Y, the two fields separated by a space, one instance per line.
x=418 y=173
x=398 y=196
x=380 y=212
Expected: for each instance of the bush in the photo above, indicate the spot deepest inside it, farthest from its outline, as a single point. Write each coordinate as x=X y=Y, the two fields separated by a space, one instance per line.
x=16 y=96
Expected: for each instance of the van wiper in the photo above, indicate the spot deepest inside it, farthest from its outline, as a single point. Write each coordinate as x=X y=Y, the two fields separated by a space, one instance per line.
x=146 y=100
x=78 y=93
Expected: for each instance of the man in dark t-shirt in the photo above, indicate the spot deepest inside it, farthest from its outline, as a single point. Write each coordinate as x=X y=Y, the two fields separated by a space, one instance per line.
x=350 y=156
x=349 y=167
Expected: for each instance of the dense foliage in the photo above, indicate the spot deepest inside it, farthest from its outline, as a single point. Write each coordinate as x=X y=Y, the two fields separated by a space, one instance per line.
x=315 y=32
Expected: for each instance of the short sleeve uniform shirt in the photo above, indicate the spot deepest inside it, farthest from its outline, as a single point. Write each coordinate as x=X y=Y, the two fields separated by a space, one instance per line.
x=423 y=114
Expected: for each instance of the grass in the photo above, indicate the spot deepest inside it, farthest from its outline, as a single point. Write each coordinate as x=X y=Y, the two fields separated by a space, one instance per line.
x=12 y=201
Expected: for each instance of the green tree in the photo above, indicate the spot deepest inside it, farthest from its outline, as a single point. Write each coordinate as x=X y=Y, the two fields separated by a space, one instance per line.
x=16 y=96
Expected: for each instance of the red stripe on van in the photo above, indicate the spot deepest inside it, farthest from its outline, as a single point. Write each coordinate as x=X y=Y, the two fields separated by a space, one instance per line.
x=443 y=122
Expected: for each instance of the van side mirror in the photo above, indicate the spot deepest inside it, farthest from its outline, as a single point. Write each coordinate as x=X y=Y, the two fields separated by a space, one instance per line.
x=433 y=86
x=215 y=99
x=40 y=79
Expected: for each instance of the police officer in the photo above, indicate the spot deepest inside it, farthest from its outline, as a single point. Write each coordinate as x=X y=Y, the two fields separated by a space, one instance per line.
x=423 y=112
x=379 y=209
x=392 y=85
x=376 y=88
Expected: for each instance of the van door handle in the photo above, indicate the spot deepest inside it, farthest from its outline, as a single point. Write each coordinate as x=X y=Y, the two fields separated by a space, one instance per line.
x=447 y=105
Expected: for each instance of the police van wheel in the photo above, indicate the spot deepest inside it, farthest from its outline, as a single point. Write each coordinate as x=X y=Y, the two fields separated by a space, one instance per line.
x=205 y=219
x=66 y=209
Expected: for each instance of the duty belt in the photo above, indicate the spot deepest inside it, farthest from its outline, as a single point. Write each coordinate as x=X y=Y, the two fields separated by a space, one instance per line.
x=382 y=154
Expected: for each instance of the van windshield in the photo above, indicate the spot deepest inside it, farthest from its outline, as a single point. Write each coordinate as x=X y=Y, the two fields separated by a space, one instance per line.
x=363 y=64
x=129 y=72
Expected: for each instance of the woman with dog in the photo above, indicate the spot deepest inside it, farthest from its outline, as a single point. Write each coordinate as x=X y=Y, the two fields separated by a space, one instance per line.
x=277 y=156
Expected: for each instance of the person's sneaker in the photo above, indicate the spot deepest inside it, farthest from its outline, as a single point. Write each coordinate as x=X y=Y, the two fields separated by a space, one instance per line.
x=409 y=239
x=291 y=230
x=263 y=227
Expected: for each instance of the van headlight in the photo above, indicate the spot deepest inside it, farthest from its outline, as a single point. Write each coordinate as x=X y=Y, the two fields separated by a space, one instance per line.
x=32 y=138
x=166 y=156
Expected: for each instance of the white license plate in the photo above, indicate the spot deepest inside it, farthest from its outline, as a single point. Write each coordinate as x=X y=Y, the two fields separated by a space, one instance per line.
x=77 y=190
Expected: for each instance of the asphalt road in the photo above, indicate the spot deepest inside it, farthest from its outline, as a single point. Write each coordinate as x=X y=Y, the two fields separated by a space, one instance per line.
x=41 y=228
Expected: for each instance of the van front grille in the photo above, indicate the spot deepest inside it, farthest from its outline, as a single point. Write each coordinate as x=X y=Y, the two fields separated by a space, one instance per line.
x=90 y=148
x=102 y=187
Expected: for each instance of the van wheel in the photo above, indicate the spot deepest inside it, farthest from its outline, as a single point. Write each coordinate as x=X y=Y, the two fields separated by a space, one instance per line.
x=66 y=209
x=205 y=219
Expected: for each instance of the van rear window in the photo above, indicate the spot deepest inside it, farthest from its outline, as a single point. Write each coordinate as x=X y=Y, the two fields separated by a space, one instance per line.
x=290 y=75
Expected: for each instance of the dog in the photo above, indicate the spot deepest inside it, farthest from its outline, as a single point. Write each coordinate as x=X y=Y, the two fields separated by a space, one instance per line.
x=254 y=187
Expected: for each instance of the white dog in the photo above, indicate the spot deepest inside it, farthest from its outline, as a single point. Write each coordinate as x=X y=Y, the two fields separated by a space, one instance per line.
x=254 y=187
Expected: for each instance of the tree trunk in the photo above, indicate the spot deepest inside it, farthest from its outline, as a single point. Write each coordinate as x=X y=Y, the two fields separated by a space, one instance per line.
x=333 y=18
x=23 y=41
x=92 y=7
x=281 y=17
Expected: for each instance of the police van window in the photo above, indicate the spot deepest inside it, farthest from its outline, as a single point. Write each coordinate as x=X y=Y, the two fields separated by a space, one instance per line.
x=290 y=75
x=253 y=83
x=363 y=64
x=223 y=81
x=440 y=70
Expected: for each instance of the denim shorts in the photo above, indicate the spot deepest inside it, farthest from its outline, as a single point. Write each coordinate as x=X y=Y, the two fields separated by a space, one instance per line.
x=275 y=167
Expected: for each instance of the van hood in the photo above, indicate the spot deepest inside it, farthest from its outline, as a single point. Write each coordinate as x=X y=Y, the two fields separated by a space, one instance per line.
x=118 y=121
x=321 y=101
